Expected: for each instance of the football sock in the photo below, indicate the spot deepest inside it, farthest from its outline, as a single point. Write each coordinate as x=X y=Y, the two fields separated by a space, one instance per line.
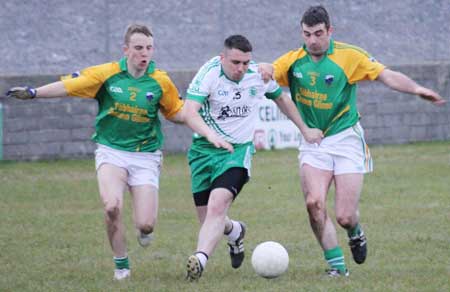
x=335 y=258
x=122 y=263
x=354 y=231
x=235 y=231
x=202 y=257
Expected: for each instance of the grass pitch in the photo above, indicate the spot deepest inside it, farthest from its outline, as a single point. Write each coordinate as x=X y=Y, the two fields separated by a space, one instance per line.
x=52 y=235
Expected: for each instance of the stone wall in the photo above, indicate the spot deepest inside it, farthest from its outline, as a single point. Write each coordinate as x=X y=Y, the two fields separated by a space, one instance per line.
x=44 y=39
x=59 y=36
x=61 y=128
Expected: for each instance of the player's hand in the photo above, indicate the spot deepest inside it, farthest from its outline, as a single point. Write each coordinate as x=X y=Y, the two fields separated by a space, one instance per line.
x=22 y=92
x=219 y=142
x=266 y=71
x=313 y=135
x=430 y=95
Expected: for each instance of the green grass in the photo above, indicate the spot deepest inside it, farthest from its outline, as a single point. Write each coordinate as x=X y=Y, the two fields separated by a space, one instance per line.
x=52 y=236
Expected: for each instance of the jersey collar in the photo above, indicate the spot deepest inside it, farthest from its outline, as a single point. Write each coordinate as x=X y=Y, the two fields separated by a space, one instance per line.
x=123 y=66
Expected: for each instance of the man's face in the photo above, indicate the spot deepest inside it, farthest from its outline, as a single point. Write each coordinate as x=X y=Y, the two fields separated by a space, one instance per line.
x=317 y=38
x=139 y=51
x=235 y=63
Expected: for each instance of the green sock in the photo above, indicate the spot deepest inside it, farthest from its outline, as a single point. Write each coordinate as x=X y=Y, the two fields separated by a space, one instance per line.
x=122 y=263
x=354 y=231
x=335 y=258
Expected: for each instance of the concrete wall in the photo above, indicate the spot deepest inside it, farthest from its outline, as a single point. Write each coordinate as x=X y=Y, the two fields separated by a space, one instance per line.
x=61 y=128
x=61 y=36
x=43 y=39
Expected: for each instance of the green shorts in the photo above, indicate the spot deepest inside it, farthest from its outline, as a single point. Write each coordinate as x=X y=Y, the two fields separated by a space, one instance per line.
x=208 y=163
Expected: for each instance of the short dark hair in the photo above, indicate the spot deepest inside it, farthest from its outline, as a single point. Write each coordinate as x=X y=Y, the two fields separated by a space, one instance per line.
x=136 y=28
x=239 y=42
x=316 y=15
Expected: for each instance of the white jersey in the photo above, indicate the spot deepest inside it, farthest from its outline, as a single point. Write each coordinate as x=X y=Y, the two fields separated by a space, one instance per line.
x=230 y=107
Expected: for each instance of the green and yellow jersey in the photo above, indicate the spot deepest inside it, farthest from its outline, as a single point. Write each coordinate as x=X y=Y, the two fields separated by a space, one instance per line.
x=127 y=117
x=325 y=91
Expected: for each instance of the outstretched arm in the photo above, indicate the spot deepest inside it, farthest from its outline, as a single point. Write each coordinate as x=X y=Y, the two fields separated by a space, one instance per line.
x=55 y=89
x=189 y=115
x=287 y=107
x=400 y=82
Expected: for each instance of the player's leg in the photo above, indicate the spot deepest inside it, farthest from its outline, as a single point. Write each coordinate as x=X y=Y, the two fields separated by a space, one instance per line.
x=201 y=214
x=214 y=220
x=228 y=173
x=143 y=179
x=201 y=204
x=112 y=184
x=210 y=232
x=145 y=211
x=315 y=185
x=348 y=190
x=213 y=226
x=201 y=166
x=233 y=180
x=351 y=163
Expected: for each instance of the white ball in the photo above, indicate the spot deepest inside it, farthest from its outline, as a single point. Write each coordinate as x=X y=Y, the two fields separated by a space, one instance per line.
x=270 y=259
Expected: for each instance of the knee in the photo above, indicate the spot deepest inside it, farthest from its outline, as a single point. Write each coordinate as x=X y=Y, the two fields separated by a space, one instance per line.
x=215 y=210
x=112 y=210
x=146 y=228
x=315 y=206
x=218 y=205
x=344 y=220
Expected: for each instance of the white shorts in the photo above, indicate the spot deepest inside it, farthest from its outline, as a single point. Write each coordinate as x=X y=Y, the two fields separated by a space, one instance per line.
x=345 y=152
x=143 y=168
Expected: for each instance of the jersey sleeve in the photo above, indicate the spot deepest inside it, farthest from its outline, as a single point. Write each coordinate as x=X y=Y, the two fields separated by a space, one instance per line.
x=282 y=65
x=368 y=69
x=358 y=65
x=170 y=101
x=273 y=90
x=88 y=82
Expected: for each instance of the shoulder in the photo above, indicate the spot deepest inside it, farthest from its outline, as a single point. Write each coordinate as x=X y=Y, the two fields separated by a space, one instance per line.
x=160 y=75
x=348 y=49
x=104 y=68
x=290 y=57
x=212 y=66
x=210 y=71
x=294 y=54
x=100 y=72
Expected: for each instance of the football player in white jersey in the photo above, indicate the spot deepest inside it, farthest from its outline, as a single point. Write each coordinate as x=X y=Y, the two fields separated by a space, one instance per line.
x=225 y=93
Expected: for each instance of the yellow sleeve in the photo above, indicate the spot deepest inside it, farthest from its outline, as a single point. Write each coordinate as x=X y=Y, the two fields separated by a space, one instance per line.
x=90 y=80
x=283 y=64
x=357 y=64
x=170 y=101
x=367 y=69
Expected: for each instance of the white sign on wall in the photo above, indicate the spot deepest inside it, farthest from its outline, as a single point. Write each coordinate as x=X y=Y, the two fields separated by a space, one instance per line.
x=274 y=130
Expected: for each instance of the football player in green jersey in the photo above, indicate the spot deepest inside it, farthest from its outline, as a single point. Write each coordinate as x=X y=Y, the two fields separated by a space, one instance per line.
x=128 y=134
x=322 y=77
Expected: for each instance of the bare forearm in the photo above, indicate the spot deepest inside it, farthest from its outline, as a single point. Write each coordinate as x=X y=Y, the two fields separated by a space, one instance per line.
x=55 y=89
x=401 y=82
x=398 y=81
x=196 y=123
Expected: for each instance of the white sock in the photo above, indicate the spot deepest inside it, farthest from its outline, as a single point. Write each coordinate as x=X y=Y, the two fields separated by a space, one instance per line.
x=202 y=258
x=235 y=231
